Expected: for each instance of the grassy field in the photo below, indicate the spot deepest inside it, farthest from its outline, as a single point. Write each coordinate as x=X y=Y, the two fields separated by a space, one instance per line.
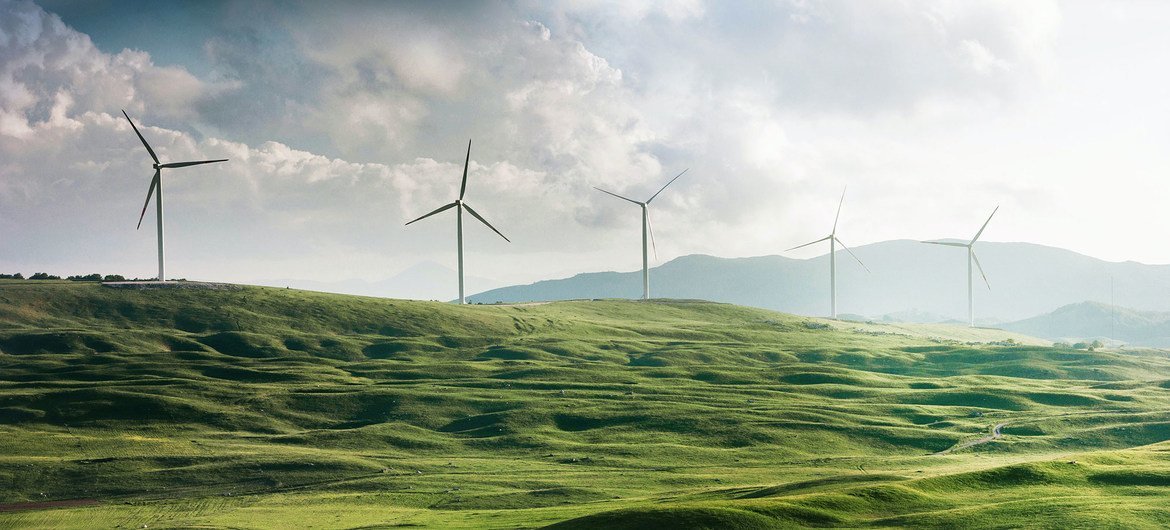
x=260 y=407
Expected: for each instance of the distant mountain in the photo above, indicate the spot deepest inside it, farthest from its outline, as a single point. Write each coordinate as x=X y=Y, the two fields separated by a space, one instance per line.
x=1095 y=320
x=426 y=280
x=909 y=281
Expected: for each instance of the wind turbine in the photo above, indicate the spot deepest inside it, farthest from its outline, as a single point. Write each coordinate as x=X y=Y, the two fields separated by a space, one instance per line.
x=971 y=258
x=833 y=241
x=646 y=228
x=156 y=190
x=459 y=220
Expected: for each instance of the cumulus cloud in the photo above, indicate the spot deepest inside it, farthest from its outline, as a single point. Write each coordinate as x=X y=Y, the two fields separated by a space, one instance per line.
x=49 y=71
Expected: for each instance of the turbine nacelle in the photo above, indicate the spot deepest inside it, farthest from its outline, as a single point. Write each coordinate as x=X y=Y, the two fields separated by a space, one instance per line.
x=158 y=167
x=970 y=246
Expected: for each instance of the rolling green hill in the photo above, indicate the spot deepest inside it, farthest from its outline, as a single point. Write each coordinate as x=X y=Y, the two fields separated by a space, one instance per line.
x=261 y=407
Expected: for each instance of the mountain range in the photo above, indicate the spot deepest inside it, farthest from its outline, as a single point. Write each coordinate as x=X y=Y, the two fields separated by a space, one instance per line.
x=908 y=281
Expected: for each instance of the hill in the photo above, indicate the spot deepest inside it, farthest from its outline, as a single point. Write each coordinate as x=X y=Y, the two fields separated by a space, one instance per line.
x=262 y=407
x=909 y=280
x=426 y=280
x=1091 y=320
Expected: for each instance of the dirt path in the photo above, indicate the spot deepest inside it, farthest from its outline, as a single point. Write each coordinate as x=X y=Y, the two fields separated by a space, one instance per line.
x=995 y=435
x=44 y=505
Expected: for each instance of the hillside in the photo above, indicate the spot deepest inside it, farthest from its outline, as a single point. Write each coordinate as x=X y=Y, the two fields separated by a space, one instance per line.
x=263 y=407
x=908 y=280
x=423 y=281
x=1090 y=320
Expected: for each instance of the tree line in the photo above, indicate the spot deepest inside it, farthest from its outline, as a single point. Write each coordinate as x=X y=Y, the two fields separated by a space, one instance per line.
x=95 y=277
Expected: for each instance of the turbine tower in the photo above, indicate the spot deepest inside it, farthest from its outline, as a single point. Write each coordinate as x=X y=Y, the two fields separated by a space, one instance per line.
x=459 y=220
x=833 y=241
x=971 y=258
x=646 y=228
x=156 y=190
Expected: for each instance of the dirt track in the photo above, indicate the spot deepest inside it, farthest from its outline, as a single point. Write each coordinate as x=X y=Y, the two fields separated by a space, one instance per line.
x=995 y=435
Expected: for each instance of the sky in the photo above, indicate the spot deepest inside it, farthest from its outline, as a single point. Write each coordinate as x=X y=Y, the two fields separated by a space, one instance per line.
x=344 y=120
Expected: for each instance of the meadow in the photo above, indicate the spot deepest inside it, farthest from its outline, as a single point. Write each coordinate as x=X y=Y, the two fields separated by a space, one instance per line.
x=271 y=408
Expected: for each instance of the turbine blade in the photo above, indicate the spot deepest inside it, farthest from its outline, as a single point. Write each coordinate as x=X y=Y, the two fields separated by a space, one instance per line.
x=618 y=196
x=667 y=184
x=976 y=238
x=980 y=267
x=851 y=253
x=484 y=221
x=826 y=238
x=947 y=243
x=148 y=149
x=463 y=187
x=149 y=192
x=839 y=204
x=437 y=210
x=185 y=164
x=650 y=227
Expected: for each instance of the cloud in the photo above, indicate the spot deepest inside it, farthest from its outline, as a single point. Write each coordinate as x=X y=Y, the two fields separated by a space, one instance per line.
x=49 y=71
x=342 y=123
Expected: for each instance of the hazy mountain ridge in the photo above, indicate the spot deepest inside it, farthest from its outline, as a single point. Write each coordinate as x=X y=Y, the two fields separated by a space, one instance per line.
x=1091 y=320
x=907 y=279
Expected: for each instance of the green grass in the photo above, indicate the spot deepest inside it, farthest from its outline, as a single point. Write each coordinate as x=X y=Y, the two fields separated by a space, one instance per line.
x=261 y=407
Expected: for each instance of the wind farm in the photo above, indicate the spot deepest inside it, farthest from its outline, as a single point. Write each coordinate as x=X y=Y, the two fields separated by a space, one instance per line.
x=314 y=366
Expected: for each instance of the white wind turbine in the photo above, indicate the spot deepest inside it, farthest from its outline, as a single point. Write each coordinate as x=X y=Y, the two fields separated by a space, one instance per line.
x=156 y=190
x=971 y=258
x=459 y=220
x=833 y=241
x=646 y=228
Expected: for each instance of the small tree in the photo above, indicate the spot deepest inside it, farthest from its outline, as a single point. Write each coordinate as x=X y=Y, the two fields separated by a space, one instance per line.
x=114 y=278
x=44 y=276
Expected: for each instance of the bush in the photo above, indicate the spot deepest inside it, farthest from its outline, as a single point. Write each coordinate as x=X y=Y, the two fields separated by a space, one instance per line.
x=114 y=278
x=44 y=276
x=87 y=278
x=17 y=276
